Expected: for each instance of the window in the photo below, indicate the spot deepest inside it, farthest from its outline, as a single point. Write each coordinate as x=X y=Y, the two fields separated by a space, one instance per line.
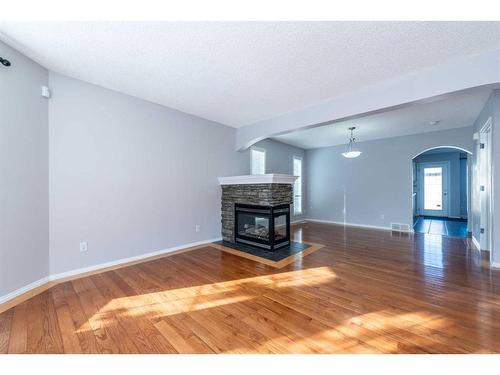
x=257 y=161
x=297 y=186
x=433 y=188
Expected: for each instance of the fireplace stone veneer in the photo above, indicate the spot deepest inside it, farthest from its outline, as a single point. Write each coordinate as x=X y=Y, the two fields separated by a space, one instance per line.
x=259 y=190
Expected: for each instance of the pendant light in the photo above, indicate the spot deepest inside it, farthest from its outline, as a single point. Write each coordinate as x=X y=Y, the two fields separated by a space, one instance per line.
x=352 y=150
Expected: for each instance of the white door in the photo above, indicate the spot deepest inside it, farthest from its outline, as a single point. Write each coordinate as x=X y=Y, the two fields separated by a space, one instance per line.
x=485 y=186
x=433 y=188
x=297 y=186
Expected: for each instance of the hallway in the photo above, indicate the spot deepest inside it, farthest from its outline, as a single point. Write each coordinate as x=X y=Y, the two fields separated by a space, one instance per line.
x=441 y=226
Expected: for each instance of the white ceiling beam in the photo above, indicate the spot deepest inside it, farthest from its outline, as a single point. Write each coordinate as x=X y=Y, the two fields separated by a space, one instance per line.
x=456 y=75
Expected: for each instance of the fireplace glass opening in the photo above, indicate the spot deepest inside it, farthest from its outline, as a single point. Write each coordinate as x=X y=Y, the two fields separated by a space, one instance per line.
x=254 y=226
x=266 y=227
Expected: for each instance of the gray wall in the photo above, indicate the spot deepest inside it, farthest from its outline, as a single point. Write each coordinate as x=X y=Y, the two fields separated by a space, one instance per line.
x=23 y=172
x=379 y=182
x=128 y=176
x=491 y=109
x=279 y=159
x=457 y=192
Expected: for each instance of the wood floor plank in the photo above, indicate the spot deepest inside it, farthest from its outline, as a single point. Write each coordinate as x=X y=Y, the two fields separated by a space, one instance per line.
x=109 y=313
x=35 y=322
x=52 y=333
x=98 y=324
x=365 y=291
x=119 y=310
x=81 y=326
x=69 y=336
x=19 y=330
x=182 y=344
x=139 y=325
x=5 y=326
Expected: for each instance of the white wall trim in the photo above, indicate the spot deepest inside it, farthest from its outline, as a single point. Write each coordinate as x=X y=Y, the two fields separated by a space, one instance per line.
x=270 y=178
x=476 y=243
x=97 y=267
x=16 y=293
x=495 y=265
x=354 y=225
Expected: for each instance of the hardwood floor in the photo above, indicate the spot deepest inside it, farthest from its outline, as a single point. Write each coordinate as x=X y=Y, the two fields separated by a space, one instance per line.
x=366 y=291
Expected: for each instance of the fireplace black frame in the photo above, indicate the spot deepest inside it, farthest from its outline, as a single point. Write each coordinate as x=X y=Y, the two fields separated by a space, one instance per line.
x=270 y=212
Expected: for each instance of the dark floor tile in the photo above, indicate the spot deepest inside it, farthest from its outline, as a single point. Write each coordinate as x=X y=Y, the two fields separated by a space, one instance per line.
x=456 y=228
x=438 y=227
x=422 y=225
x=441 y=226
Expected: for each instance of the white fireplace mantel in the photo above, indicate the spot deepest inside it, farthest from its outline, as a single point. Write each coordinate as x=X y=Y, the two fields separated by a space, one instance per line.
x=251 y=179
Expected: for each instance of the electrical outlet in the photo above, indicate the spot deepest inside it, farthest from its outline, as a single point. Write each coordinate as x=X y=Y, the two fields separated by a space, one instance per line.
x=197 y=228
x=83 y=247
x=382 y=216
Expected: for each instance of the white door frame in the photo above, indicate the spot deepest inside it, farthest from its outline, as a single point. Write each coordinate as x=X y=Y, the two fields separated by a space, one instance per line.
x=445 y=165
x=485 y=191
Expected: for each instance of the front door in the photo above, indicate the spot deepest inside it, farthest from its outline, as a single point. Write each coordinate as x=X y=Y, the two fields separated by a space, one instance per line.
x=433 y=189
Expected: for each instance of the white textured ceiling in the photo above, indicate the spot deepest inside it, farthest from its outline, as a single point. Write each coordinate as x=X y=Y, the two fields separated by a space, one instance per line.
x=455 y=111
x=237 y=73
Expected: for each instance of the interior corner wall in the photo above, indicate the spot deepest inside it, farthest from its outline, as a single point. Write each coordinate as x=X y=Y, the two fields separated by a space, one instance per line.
x=376 y=188
x=279 y=159
x=24 y=208
x=128 y=176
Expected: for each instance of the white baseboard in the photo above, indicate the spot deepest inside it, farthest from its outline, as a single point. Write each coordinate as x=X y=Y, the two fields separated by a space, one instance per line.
x=24 y=289
x=495 y=265
x=118 y=262
x=353 y=225
x=476 y=243
x=97 y=267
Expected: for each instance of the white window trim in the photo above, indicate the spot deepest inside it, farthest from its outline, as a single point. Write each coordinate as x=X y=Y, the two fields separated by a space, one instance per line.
x=301 y=211
x=251 y=159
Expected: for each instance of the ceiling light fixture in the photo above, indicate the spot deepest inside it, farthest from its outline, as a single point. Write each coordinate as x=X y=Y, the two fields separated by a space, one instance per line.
x=352 y=150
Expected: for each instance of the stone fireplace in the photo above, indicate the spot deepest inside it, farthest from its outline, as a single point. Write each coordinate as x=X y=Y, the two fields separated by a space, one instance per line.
x=256 y=210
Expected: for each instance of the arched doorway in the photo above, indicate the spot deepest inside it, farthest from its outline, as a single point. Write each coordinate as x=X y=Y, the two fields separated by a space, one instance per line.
x=441 y=191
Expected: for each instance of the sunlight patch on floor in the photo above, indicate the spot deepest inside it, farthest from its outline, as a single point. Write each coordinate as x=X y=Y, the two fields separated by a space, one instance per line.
x=155 y=305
